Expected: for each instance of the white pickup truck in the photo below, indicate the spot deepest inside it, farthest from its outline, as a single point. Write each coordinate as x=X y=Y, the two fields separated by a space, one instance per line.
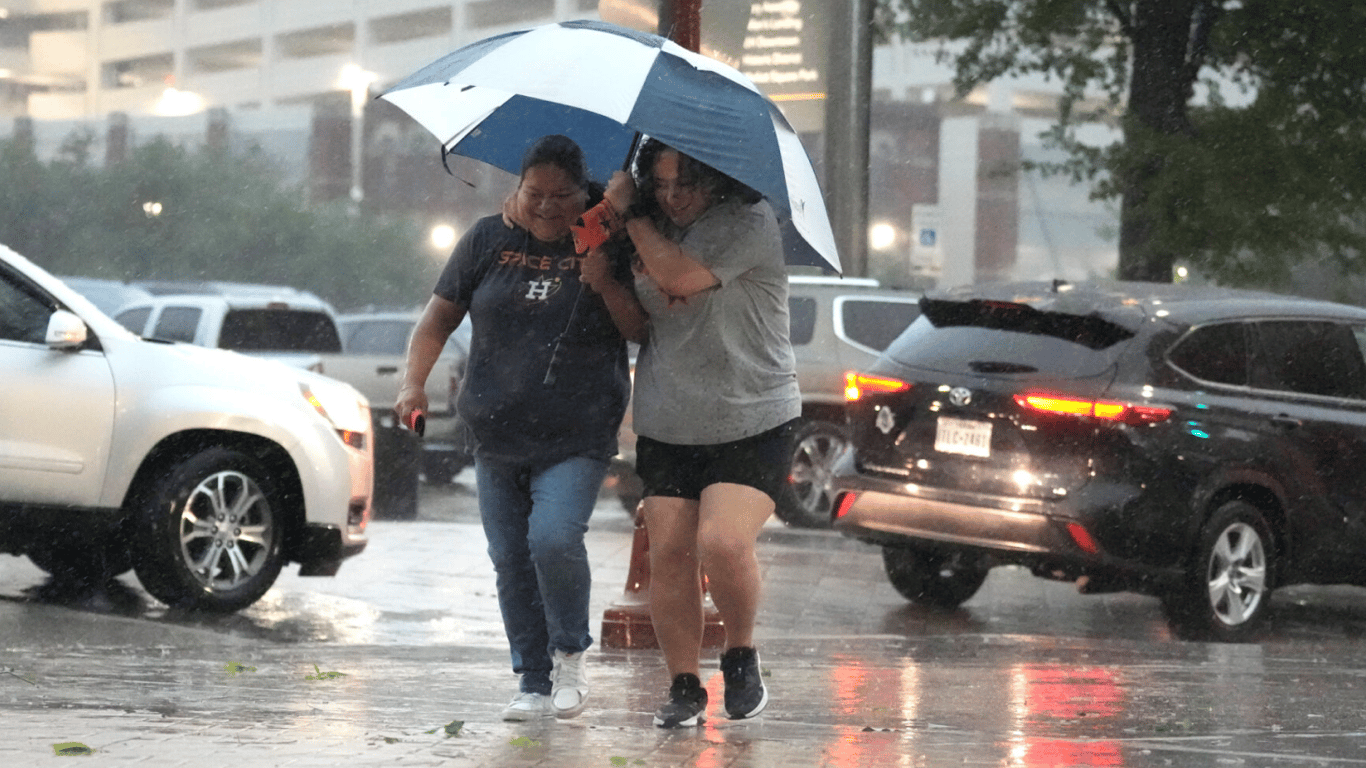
x=203 y=470
x=299 y=329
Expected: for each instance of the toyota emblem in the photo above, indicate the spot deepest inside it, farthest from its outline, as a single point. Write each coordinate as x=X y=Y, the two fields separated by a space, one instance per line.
x=960 y=396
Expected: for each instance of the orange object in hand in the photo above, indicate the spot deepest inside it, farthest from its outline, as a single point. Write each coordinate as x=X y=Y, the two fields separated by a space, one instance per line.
x=595 y=227
x=417 y=422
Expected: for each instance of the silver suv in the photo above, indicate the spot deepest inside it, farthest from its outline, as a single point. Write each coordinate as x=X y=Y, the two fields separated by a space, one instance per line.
x=837 y=325
x=376 y=352
x=204 y=470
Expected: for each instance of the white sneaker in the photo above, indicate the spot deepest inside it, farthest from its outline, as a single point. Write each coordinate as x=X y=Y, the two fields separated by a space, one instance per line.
x=569 y=691
x=528 y=706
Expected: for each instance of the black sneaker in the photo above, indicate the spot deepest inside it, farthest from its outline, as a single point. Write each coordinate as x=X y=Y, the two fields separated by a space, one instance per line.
x=687 y=704
x=746 y=695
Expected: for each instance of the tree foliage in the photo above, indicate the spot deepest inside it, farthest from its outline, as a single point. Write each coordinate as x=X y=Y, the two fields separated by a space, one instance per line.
x=1243 y=121
x=222 y=215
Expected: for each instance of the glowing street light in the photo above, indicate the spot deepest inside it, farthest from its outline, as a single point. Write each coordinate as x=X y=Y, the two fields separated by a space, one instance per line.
x=881 y=236
x=443 y=237
x=358 y=82
x=177 y=103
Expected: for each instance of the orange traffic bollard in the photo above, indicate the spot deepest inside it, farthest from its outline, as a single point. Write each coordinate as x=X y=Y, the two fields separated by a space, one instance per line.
x=626 y=623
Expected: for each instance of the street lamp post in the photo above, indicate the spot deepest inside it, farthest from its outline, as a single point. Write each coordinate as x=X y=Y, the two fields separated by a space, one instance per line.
x=357 y=81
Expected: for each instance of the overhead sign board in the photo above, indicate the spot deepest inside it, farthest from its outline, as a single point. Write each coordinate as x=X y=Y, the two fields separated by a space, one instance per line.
x=779 y=44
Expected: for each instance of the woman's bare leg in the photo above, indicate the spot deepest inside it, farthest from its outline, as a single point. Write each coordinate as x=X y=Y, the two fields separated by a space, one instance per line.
x=730 y=517
x=675 y=581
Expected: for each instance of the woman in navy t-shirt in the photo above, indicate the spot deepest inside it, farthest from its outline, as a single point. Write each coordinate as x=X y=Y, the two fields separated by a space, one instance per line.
x=543 y=395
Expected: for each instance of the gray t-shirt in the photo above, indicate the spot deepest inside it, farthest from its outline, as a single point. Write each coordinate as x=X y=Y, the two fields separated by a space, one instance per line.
x=718 y=365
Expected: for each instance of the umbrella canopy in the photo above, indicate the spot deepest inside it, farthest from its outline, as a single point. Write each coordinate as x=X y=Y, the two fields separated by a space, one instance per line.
x=601 y=84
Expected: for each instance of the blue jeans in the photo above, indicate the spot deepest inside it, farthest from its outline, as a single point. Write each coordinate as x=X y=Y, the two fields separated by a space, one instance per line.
x=535 y=519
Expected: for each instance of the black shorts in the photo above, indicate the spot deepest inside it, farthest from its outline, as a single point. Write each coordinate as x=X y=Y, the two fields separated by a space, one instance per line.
x=682 y=471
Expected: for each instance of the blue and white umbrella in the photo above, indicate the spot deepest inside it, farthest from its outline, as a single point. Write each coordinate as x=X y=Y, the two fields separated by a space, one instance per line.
x=601 y=85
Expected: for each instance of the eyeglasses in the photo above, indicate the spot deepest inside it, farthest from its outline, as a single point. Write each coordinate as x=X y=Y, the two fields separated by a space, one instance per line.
x=536 y=197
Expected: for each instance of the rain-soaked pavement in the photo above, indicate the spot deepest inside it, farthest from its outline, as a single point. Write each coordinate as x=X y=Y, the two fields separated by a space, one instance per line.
x=369 y=668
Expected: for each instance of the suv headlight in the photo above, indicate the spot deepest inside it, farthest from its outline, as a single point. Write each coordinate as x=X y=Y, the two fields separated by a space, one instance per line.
x=348 y=415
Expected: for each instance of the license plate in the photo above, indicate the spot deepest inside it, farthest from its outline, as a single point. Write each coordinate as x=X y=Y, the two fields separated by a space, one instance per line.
x=970 y=438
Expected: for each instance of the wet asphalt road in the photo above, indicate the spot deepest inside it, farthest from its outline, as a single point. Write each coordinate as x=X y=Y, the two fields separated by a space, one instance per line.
x=1027 y=673
x=429 y=581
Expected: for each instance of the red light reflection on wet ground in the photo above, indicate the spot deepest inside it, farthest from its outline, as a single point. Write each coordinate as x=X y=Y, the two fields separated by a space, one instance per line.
x=1049 y=698
x=876 y=703
x=1050 y=708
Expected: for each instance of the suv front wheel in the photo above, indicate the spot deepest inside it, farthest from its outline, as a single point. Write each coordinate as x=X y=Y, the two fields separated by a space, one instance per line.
x=209 y=533
x=1228 y=585
x=805 y=501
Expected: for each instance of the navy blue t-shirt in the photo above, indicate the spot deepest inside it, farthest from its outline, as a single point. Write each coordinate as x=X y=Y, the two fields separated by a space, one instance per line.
x=520 y=294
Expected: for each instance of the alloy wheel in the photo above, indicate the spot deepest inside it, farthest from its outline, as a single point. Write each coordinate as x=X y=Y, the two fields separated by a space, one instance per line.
x=227 y=528
x=1237 y=574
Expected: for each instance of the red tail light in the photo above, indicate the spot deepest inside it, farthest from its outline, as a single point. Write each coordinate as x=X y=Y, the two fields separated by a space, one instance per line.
x=1106 y=410
x=857 y=384
x=1083 y=538
x=843 y=504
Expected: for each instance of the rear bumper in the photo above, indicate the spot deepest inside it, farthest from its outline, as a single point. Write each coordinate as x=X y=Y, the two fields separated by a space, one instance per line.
x=890 y=512
x=1009 y=530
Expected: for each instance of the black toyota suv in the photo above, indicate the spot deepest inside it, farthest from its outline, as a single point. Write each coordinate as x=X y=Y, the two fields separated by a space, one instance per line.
x=1203 y=445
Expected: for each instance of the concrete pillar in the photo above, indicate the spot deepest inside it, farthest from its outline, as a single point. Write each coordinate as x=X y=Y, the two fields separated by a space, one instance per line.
x=998 y=197
x=117 y=139
x=329 y=163
x=216 y=131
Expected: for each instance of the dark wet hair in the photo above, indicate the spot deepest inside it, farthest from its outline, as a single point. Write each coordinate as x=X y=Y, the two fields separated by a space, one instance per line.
x=690 y=171
x=561 y=152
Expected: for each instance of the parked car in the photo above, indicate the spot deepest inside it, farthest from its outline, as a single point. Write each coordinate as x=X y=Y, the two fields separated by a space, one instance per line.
x=283 y=323
x=1202 y=445
x=837 y=324
x=376 y=347
x=291 y=326
x=205 y=471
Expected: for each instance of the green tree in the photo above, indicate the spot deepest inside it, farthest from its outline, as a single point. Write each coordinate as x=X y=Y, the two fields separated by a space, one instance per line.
x=168 y=212
x=1260 y=173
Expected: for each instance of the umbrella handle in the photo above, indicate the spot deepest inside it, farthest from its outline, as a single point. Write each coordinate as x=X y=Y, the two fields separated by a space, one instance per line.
x=549 y=379
x=631 y=153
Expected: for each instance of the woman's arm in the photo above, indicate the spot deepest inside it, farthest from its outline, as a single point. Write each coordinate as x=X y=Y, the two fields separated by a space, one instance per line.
x=627 y=313
x=676 y=272
x=439 y=319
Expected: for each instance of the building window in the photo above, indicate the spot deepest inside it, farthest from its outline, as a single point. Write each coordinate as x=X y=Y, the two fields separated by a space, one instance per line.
x=494 y=13
x=225 y=57
x=411 y=26
x=319 y=41
x=212 y=5
x=125 y=11
x=16 y=29
x=136 y=73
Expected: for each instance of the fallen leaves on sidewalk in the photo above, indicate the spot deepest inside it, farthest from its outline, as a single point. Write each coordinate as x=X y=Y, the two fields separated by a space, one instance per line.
x=321 y=675
x=10 y=671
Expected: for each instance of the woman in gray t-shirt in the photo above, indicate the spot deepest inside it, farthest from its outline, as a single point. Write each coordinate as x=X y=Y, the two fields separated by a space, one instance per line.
x=714 y=402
